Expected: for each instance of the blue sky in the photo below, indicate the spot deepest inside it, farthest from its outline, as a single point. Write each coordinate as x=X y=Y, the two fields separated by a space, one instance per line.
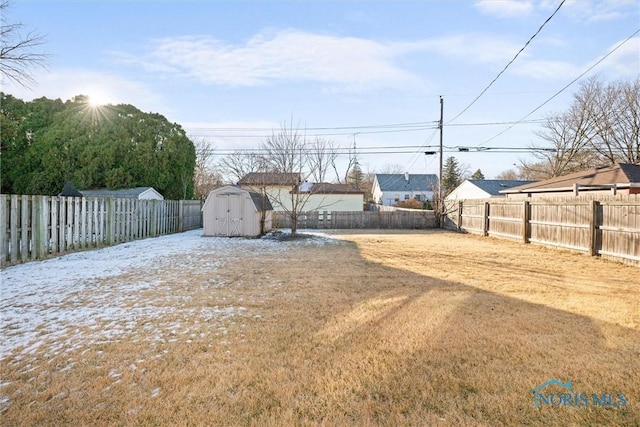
x=230 y=71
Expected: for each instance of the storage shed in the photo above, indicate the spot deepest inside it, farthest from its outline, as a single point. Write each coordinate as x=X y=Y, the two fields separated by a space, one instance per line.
x=235 y=211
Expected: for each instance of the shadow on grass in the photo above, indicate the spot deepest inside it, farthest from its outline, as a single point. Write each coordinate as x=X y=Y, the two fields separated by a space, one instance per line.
x=400 y=347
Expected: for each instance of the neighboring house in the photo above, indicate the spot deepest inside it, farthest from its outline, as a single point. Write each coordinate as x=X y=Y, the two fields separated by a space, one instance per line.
x=70 y=190
x=278 y=186
x=139 y=193
x=332 y=197
x=235 y=211
x=622 y=178
x=391 y=188
x=483 y=188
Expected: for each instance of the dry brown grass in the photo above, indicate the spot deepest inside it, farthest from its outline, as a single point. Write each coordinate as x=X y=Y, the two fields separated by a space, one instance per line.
x=415 y=328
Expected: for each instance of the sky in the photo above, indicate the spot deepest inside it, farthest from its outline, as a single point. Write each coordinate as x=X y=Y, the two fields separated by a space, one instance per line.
x=369 y=73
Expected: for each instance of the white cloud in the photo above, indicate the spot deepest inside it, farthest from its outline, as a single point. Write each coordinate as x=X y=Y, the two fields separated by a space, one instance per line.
x=590 y=11
x=284 y=56
x=65 y=83
x=505 y=8
x=623 y=63
x=350 y=63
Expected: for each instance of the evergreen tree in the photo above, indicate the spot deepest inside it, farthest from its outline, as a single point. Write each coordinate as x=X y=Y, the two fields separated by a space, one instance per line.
x=451 y=176
x=49 y=143
x=356 y=176
x=477 y=175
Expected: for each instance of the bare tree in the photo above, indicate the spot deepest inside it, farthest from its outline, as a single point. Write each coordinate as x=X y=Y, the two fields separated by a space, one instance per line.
x=205 y=177
x=17 y=54
x=613 y=114
x=239 y=163
x=569 y=151
x=322 y=156
x=287 y=153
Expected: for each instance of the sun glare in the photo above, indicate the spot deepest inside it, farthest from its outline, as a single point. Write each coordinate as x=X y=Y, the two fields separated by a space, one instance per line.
x=96 y=101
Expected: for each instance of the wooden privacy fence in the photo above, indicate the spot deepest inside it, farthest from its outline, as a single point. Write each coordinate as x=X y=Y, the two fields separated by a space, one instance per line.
x=358 y=219
x=36 y=227
x=609 y=226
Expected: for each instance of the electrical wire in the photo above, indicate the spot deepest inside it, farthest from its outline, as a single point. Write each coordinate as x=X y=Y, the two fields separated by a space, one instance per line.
x=565 y=87
x=510 y=62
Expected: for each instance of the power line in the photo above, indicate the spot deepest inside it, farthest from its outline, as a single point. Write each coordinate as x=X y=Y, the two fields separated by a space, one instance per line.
x=565 y=87
x=212 y=132
x=510 y=62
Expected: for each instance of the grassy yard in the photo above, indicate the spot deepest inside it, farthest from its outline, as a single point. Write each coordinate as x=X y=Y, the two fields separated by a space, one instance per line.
x=371 y=328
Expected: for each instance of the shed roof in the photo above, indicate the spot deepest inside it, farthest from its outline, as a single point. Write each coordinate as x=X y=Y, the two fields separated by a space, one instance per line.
x=270 y=178
x=260 y=201
x=621 y=174
x=398 y=182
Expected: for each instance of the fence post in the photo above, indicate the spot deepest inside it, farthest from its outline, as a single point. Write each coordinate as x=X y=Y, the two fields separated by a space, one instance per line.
x=38 y=227
x=110 y=206
x=526 y=218
x=485 y=222
x=593 y=228
x=154 y=218
x=15 y=218
x=4 y=242
x=181 y=216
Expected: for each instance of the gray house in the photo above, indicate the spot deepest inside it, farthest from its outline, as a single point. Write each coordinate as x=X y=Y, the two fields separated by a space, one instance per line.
x=391 y=188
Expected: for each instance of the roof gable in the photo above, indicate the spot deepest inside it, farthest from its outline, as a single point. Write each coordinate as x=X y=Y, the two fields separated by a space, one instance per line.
x=398 y=182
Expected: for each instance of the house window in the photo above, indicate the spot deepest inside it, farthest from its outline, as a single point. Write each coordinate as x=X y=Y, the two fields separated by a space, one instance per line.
x=417 y=197
x=397 y=198
x=406 y=197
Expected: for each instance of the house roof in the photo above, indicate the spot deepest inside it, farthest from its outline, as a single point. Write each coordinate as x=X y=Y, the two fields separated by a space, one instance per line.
x=123 y=193
x=494 y=186
x=270 y=178
x=70 y=190
x=327 y=188
x=621 y=174
x=397 y=182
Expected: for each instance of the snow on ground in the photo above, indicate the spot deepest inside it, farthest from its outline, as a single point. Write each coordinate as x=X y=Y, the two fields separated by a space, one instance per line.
x=102 y=295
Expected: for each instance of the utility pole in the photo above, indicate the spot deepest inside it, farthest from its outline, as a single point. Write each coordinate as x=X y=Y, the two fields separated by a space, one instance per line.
x=440 y=126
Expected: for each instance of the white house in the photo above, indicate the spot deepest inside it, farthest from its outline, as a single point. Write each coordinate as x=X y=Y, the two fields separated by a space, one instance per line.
x=332 y=197
x=482 y=188
x=391 y=188
x=235 y=211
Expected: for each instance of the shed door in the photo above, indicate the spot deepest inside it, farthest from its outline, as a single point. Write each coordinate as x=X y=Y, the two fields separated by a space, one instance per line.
x=228 y=214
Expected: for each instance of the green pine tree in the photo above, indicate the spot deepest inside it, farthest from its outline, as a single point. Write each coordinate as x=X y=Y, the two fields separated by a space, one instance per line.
x=451 y=176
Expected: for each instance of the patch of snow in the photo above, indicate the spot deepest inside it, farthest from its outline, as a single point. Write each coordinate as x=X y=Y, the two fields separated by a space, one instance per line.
x=63 y=304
